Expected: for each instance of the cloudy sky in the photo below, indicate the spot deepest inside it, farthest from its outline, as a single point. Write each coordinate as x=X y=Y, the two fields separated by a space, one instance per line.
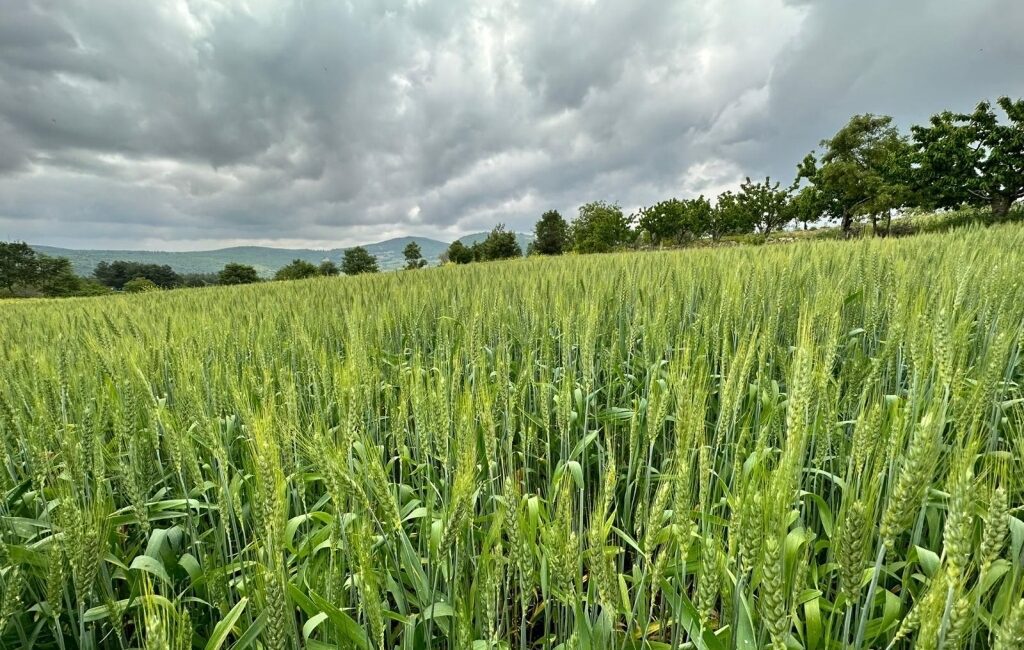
x=186 y=124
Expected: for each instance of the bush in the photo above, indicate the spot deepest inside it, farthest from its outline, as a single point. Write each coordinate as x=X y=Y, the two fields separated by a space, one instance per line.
x=140 y=285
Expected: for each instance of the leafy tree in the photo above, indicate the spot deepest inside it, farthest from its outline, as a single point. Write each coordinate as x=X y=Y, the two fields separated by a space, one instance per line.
x=664 y=221
x=599 y=227
x=234 y=273
x=500 y=244
x=115 y=274
x=862 y=172
x=805 y=205
x=550 y=235
x=765 y=207
x=297 y=270
x=675 y=221
x=56 y=278
x=972 y=158
x=459 y=253
x=358 y=260
x=25 y=272
x=140 y=285
x=328 y=269
x=726 y=217
x=413 y=256
x=19 y=265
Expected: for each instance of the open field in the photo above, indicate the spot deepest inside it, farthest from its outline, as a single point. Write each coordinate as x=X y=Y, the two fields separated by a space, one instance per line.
x=816 y=445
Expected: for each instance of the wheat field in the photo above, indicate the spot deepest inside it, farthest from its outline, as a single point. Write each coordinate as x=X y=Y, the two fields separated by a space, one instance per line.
x=814 y=445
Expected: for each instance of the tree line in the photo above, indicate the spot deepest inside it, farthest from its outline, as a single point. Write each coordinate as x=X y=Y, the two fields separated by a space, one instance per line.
x=865 y=173
x=26 y=273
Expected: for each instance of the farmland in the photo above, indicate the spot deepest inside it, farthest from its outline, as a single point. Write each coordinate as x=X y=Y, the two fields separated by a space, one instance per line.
x=815 y=445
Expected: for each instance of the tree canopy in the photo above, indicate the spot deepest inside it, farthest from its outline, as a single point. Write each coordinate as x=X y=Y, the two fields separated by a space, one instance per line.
x=550 y=234
x=23 y=272
x=328 y=269
x=357 y=260
x=500 y=244
x=234 y=273
x=413 y=256
x=459 y=253
x=599 y=227
x=675 y=221
x=117 y=273
x=972 y=158
x=764 y=207
x=297 y=270
x=862 y=172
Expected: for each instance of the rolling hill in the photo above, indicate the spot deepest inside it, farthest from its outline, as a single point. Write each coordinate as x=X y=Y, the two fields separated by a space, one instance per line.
x=264 y=259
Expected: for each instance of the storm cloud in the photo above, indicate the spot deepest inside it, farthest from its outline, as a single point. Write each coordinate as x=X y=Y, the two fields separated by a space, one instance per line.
x=183 y=124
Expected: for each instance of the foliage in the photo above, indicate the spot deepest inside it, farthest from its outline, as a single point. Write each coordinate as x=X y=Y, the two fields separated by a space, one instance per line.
x=500 y=244
x=357 y=260
x=23 y=272
x=863 y=172
x=459 y=253
x=972 y=158
x=328 y=269
x=140 y=285
x=764 y=207
x=672 y=449
x=550 y=234
x=728 y=216
x=195 y=280
x=18 y=265
x=297 y=270
x=413 y=256
x=675 y=221
x=117 y=273
x=234 y=273
x=599 y=228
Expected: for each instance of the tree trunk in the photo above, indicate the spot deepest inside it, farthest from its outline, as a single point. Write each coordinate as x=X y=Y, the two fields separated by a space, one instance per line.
x=847 y=222
x=888 y=224
x=1000 y=206
x=874 y=224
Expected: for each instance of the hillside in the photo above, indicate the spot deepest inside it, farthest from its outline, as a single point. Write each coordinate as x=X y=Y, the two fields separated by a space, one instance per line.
x=265 y=259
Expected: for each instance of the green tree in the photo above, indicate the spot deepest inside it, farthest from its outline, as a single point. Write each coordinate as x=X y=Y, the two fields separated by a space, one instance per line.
x=862 y=172
x=765 y=207
x=234 y=273
x=599 y=227
x=413 y=256
x=115 y=274
x=56 y=278
x=297 y=270
x=358 y=260
x=726 y=217
x=140 y=285
x=675 y=221
x=500 y=244
x=459 y=253
x=665 y=221
x=328 y=269
x=550 y=234
x=19 y=265
x=972 y=158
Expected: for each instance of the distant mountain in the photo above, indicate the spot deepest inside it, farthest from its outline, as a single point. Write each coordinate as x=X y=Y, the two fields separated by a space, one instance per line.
x=266 y=260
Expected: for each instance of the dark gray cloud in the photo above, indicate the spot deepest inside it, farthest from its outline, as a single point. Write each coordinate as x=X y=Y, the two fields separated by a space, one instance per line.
x=196 y=123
